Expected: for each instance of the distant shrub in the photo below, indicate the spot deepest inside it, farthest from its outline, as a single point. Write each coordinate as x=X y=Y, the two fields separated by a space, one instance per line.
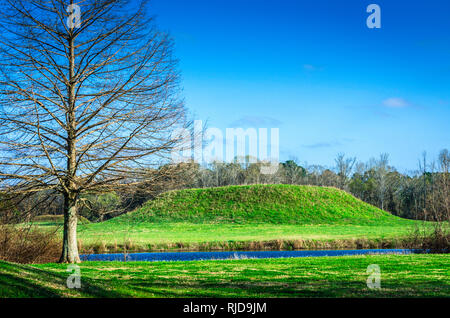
x=436 y=241
x=25 y=244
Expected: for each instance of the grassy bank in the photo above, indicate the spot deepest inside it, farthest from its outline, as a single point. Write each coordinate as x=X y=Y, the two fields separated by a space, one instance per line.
x=114 y=237
x=401 y=276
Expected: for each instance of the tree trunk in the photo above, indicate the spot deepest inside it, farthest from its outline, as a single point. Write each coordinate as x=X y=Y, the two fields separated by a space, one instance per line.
x=70 y=247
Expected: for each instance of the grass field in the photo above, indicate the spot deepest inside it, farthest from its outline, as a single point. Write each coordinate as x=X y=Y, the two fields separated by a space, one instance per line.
x=401 y=276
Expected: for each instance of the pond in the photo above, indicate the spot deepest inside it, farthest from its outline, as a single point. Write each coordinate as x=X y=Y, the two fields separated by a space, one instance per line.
x=196 y=256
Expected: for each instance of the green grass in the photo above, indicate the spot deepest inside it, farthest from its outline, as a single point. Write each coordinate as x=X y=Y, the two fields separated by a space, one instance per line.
x=401 y=276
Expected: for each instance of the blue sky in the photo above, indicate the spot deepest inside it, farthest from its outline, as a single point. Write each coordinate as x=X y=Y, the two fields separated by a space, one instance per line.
x=314 y=70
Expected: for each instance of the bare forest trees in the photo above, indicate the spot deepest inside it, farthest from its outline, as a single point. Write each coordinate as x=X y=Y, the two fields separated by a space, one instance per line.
x=382 y=170
x=293 y=173
x=344 y=168
x=444 y=183
x=437 y=191
x=84 y=108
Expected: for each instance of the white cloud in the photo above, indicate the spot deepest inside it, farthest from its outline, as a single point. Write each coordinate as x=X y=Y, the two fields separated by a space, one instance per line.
x=323 y=145
x=329 y=144
x=309 y=67
x=395 y=102
x=312 y=68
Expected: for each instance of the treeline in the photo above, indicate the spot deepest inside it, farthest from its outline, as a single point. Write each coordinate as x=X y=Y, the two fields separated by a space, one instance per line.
x=423 y=194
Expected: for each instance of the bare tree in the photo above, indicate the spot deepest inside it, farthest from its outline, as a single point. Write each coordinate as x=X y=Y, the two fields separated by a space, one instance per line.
x=444 y=183
x=84 y=108
x=381 y=174
x=344 y=167
x=423 y=168
x=292 y=172
x=438 y=201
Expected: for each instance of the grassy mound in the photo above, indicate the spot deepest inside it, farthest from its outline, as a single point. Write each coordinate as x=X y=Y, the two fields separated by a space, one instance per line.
x=278 y=204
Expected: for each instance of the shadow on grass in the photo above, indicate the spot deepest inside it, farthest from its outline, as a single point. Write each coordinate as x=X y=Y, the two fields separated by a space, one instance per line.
x=25 y=281
x=236 y=289
x=16 y=287
x=390 y=288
